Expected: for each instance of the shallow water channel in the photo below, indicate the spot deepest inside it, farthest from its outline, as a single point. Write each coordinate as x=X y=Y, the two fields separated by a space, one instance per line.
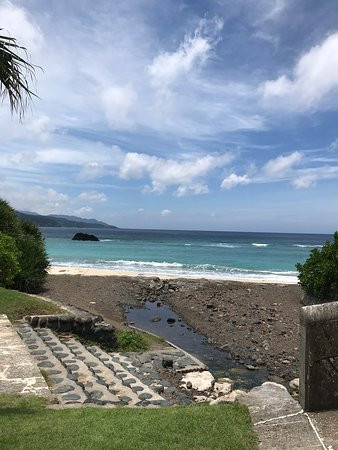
x=179 y=333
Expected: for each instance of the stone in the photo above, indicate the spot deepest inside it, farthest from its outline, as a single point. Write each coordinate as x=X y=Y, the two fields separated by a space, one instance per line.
x=96 y=394
x=56 y=380
x=72 y=367
x=167 y=363
x=188 y=385
x=159 y=388
x=223 y=388
x=171 y=320
x=200 y=398
x=63 y=389
x=45 y=364
x=294 y=384
x=251 y=367
x=125 y=399
x=71 y=397
x=84 y=237
x=232 y=397
x=155 y=319
x=144 y=396
x=200 y=381
x=128 y=381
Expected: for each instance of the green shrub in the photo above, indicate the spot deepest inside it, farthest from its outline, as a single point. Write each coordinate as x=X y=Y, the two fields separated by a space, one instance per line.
x=131 y=341
x=9 y=222
x=9 y=264
x=32 y=259
x=318 y=276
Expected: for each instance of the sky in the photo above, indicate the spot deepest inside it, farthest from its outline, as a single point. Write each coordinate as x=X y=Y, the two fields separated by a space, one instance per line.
x=199 y=114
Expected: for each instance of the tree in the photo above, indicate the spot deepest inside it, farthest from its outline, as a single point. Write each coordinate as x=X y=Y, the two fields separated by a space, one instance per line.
x=9 y=256
x=15 y=74
x=318 y=276
x=31 y=255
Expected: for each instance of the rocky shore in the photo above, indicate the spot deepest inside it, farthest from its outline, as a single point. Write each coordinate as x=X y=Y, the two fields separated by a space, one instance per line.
x=256 y=323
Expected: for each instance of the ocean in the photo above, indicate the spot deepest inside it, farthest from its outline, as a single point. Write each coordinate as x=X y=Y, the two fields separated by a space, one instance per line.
x=209 y=254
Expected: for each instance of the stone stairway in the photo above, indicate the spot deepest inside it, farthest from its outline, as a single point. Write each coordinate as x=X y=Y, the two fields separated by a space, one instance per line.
x=80 y=374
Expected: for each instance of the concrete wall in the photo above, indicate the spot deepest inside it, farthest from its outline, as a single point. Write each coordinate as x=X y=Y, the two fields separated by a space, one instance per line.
x=318 y=383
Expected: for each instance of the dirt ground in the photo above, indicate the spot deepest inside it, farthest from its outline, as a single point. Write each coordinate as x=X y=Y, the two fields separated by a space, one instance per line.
x=256 y=323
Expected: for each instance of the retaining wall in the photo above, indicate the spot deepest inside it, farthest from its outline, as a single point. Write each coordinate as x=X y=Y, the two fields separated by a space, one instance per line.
x=318 y=383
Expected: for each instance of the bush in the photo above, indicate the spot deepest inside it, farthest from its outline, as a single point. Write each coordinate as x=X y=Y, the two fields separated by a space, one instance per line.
x=131 y=341
x=32 y=258
x=318 y=276
x=9 y=264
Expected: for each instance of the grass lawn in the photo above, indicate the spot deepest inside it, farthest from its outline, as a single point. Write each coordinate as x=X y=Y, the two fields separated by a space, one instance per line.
x=25 y=423
x=16 y=305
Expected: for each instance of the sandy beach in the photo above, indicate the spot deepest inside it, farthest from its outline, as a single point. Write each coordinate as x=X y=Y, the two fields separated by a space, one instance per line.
x=256 y=322
x=90 y=271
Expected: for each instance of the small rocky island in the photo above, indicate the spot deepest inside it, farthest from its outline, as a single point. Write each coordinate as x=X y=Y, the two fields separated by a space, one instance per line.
x=84 y=237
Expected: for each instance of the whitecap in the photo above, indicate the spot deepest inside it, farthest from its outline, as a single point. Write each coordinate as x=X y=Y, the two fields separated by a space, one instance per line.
x=307 y=245
x=259 y=245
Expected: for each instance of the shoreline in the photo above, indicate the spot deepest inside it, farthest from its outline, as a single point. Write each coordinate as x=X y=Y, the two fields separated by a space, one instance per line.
x=89 y=271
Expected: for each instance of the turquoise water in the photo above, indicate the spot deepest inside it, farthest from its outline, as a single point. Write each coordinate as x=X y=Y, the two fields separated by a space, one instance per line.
x=224 y=255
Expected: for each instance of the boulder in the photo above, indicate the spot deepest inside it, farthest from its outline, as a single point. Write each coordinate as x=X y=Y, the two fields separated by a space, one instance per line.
x=84 y=237
x=229 y=398
x=223 y=388
x=200 y=381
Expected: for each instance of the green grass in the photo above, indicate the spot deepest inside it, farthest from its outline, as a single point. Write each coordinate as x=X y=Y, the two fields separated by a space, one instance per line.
x=25 y=423
x=131 y=341
x=16 y=305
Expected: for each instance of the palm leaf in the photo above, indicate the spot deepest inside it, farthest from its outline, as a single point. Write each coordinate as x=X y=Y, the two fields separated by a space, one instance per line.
x=16 y=74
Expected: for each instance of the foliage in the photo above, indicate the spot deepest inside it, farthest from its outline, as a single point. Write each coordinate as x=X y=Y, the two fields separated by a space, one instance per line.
x=9 y=255
x=15 y=74
x=131 y=341
x=26 y=423
x=32 y=259
x=16 y=305
x=318 y=276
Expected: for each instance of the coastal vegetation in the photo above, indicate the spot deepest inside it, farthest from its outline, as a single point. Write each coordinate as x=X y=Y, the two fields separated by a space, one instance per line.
x=27 y=423
x=318 y=276
x=24 y=252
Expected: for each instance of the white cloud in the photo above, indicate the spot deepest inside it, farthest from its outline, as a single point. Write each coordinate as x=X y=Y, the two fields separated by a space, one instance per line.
x=140 y=210
x=84 y=212
x=92 y=196
x=167 y=67
x=279 y=166
x=163 y=173
x=36 y=198
x=166 y=212
x=118 y=102
x=304 y=182
x=41 y=127
x=195 y=189
x=313 y=84
x=234 y=180
x=18 y=24
x=91 y=170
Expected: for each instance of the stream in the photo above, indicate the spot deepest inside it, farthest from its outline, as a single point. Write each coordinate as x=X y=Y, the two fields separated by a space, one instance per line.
x=179 y=333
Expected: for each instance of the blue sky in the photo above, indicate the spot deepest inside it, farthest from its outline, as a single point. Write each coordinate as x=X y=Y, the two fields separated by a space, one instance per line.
x=214 y=115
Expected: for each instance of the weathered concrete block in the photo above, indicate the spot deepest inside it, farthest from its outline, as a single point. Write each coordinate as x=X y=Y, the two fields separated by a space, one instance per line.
x=318 y=384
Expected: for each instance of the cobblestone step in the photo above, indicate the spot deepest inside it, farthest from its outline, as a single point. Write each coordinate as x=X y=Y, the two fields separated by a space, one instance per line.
x=80 y=374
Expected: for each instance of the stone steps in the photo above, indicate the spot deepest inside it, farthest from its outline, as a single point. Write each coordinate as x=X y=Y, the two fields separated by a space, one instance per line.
x=80 y=374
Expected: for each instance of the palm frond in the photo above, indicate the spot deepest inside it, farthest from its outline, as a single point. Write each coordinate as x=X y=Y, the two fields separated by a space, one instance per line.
x=16 y=74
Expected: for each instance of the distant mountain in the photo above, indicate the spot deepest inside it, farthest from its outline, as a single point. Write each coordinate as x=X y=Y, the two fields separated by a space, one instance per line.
x=62 y=221
x=80 y=219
